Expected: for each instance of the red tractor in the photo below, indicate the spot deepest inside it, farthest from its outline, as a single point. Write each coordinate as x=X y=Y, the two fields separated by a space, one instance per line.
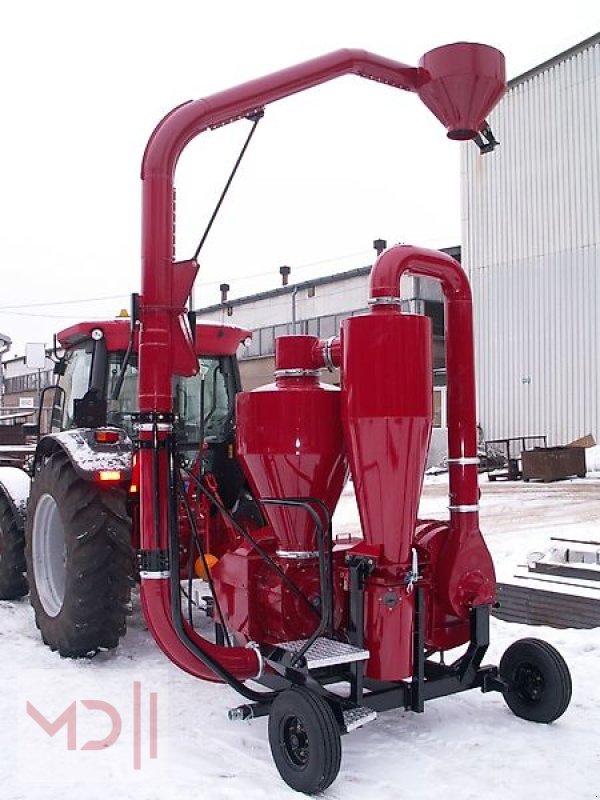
x=73 y=547
x=329 y=633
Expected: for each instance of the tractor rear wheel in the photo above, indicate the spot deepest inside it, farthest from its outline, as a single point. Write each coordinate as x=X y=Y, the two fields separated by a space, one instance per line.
x=538 y=681
x=79 y=559
x=13 y=583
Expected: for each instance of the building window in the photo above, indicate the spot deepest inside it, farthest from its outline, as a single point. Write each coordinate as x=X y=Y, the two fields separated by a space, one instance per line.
x=327 y=327
x=267 y=341
x=439 y=407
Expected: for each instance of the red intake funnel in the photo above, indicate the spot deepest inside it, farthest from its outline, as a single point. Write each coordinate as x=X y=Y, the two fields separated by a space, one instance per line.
x=462 y=83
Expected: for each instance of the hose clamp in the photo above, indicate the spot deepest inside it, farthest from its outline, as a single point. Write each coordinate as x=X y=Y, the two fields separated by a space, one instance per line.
x=297 y=373
x=161 y=427
x=328 y=354
x=261 y=661
x=386 y=300
x=297 y=554
x=463 y=509
x=463 y=462
x=146 y=575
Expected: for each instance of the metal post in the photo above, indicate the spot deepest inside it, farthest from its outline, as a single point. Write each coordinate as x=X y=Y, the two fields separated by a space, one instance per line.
x=294 y=294
x=5 y=344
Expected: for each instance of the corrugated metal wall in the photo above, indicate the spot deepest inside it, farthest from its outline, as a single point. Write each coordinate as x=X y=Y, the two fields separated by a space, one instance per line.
x=531 y=246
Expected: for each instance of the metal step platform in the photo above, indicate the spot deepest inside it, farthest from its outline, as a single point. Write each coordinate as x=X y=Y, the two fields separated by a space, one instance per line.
x=357 y=717
x=326 y=652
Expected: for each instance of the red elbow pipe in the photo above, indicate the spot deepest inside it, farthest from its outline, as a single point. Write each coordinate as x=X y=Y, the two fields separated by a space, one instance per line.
x=460 y=361
x=241 y=662
x=470 y=570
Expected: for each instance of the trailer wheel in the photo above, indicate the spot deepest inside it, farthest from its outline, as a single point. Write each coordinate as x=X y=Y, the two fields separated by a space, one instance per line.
x=12 y=553
x=304 y=737
x=538 y=680
x=79 y=560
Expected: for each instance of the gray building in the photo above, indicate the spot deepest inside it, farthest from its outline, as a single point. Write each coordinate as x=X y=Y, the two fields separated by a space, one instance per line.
x=531 y=247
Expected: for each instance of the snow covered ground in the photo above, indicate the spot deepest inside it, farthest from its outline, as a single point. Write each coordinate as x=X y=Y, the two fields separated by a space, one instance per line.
x=466 y=746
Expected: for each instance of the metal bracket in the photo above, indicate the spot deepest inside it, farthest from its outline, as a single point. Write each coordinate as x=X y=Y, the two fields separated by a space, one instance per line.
x=485 y=140
x=153 y=561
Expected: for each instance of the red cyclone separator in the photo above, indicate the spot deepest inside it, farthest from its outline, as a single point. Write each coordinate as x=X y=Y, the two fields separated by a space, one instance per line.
x=161 y=312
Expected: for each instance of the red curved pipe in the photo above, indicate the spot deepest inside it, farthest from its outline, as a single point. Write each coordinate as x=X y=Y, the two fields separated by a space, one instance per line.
x=156 y=604
x=470 y=570
x=460 y=360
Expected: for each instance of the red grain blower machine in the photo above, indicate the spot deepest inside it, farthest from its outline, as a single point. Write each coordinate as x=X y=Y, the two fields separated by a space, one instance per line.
x=294 y=611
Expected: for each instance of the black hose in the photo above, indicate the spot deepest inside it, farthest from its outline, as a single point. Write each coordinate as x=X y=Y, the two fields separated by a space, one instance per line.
x=325 y=579
x=262 y=553
x=176 y=618
x=200 y=549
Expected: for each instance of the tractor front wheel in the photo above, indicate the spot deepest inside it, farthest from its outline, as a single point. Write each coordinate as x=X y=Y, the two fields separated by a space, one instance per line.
x=304 y=737
x=538 y=681
x=79 y=559
x=12 y=553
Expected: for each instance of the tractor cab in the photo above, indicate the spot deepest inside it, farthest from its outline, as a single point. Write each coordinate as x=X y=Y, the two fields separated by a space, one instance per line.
x=98 y=387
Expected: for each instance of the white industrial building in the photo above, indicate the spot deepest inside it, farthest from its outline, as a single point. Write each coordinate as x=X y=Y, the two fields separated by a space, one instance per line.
x=531 y=247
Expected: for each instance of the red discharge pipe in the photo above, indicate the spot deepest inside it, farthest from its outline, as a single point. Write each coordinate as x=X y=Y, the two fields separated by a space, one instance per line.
x=467 y=563
x=165 y=342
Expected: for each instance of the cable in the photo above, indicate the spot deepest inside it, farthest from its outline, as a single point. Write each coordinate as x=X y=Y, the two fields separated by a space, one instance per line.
x=249 y=538
x=41 y=316
x=255 y=118
x=197 y=545
x=65 y=302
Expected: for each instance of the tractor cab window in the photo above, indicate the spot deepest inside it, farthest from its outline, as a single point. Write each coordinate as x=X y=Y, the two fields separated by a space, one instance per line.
x=211 y=391
x=75 y=381
x=122 y=408
x=207 y=396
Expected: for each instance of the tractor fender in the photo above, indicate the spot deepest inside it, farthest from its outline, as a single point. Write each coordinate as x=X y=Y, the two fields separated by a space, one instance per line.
x=89 y=457
x=15 y=484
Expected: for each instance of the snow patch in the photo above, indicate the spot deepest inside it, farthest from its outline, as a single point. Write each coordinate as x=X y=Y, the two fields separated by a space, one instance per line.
x=92 y=460
x=16 y=484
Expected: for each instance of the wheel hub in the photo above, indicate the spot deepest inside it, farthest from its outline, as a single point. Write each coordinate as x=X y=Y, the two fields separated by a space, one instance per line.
x=295 y=740
x=529 y=682
x=49 y=555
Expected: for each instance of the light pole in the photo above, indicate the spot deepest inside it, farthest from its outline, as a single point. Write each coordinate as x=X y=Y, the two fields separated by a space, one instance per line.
x=5 y=345
x=285 y=274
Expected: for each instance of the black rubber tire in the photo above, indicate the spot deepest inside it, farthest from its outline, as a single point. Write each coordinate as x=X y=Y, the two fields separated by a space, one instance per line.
x=13 y=583
x=538 y=680
x=99 y=561
x=309 y=762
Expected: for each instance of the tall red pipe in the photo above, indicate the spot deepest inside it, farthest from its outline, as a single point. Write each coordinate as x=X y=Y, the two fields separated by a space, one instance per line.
x=165 y=346
x=469 y=568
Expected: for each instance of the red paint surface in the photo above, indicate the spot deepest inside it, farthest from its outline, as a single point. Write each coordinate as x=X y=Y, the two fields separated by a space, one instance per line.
x=464 y=82
x=387 y=398
x=211 y=339
x=290 y=444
